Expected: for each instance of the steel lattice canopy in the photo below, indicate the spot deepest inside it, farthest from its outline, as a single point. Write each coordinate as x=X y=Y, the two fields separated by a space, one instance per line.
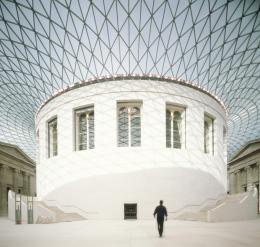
x=48 y=44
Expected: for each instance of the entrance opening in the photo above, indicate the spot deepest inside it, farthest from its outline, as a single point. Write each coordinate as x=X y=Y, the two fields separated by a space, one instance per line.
x=130 y=210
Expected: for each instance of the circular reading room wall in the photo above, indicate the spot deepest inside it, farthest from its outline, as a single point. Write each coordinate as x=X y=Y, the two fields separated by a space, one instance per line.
x=113 y=147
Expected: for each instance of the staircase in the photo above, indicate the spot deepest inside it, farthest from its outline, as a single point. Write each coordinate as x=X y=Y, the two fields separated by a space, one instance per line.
x=202 y=213
x=193 y=216
x=199 y=212
x=59 y=215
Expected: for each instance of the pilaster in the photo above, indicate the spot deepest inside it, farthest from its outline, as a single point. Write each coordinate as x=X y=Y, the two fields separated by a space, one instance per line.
x=15 y=179
x=29 y=185
x=232 y=183
x=258 y=165
x=24 y=182
x=238 y=181
x=3 y=190
x=249 y=171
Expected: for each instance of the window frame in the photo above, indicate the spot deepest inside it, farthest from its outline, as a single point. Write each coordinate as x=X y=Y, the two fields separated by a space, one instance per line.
x=129 y=104
x=76 y=111
x=49 y=122
x=224 y=141
x=211 y=121
x=172 y=107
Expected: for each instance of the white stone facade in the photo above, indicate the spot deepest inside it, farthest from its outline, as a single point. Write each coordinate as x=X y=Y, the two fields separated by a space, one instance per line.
x=244 y=169
x=17 y=173
x=101 y=180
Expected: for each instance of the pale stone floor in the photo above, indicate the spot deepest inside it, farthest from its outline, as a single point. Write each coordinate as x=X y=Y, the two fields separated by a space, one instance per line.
x=130 y=233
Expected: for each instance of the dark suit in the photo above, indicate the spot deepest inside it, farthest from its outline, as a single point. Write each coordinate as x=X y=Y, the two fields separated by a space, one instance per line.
x=161 y=211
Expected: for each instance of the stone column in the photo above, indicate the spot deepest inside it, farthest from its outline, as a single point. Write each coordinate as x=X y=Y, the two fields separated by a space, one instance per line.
x=232 y=183
x=238 y=182
x=15 y=180
x=29 y=185
x=258 y=165
x=3 y=191
x=249 y=178
x=1 y=176
x=1 y=188
x=24 y=182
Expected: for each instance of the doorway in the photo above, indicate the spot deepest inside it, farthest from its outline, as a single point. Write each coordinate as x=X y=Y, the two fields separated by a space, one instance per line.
x=130 y=211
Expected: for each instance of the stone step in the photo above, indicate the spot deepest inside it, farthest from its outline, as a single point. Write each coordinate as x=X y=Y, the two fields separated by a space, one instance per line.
x=235 y=197
x=211 y=206
x=61 y=216
x=201 y=215
x=68 y=217
x=193 y=216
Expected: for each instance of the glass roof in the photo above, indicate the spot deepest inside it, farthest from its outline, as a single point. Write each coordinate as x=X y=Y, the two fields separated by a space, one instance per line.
x=46 y=45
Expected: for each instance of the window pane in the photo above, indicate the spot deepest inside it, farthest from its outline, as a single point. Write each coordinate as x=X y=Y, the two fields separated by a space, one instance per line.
x=53 y=138
x=168 y=129
x=85 y=131
x=135 y=127
x=91 y=130
x=206 y=137
x=123 y=127
x=82 y=131
x=177 y=130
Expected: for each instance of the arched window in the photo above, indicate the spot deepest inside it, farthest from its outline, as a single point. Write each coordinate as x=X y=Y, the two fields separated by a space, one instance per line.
x=174 y=126
x=84 y=128
x=129 y=126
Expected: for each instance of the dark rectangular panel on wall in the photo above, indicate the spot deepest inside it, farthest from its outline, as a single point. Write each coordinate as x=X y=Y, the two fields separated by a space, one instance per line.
x=130 y=211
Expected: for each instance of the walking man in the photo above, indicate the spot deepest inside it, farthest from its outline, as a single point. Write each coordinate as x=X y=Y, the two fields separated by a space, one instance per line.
x=161 y=211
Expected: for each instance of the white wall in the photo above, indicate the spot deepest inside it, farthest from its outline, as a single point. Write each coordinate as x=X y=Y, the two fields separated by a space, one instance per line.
x=88 y=171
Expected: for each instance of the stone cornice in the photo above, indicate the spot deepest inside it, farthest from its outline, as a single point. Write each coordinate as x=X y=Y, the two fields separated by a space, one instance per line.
x=244 y=147
x=130 y=77
x=31 y=165
x=257 y=151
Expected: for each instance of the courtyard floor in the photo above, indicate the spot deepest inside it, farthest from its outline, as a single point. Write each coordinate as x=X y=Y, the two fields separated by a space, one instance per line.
x=130 y=233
